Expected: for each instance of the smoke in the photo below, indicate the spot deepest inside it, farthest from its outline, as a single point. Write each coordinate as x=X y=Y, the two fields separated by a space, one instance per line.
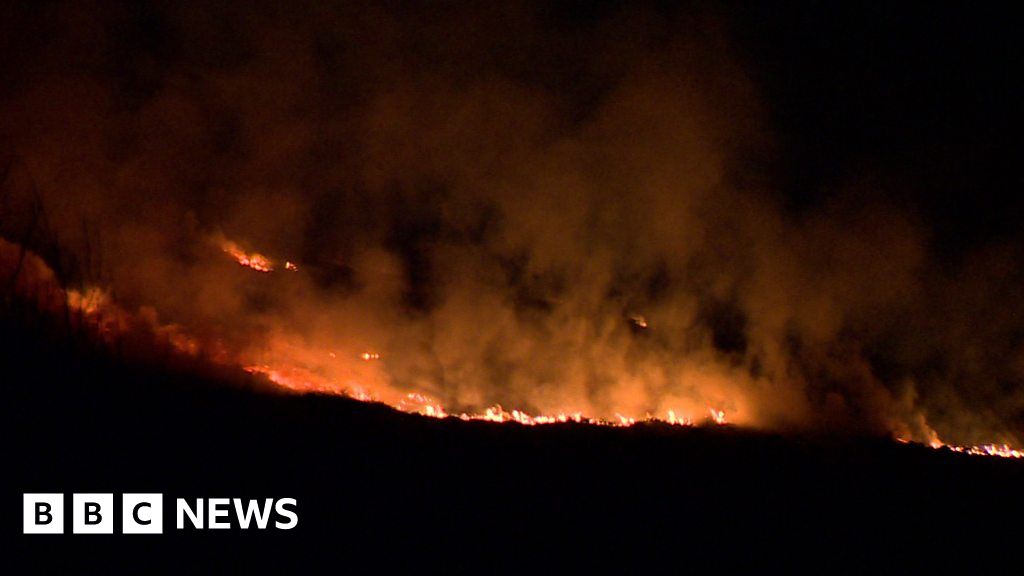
x=510 y=204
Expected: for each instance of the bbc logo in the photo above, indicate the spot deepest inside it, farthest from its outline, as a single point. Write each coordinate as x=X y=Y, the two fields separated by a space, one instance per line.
x=144 y=513
x=93 y=513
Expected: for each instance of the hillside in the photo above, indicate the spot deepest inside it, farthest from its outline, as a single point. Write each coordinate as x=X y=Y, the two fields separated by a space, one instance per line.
x=377 y=486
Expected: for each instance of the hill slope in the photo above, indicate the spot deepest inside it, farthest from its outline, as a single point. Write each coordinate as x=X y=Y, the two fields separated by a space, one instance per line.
x=378 y=488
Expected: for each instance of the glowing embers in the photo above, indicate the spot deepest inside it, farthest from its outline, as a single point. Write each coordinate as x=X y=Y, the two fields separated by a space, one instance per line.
x=498 y=414
x=416 y=403
x=427 y=407
x=1001 y=450
x=252 y=260
x=717 y=416
x=638 y=321
x=90 y=301
x=301 y=380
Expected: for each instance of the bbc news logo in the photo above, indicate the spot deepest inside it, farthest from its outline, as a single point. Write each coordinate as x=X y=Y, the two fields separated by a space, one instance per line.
x=143 y=513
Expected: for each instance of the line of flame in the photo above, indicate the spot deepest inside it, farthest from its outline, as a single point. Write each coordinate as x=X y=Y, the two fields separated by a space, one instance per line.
x=416 y=403
x=423 y=405
x=95 y=304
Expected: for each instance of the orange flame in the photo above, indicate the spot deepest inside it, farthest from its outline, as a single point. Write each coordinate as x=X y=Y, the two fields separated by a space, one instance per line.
x=301 y=380
x=256 y=261
x=253 y=260
x=106 y=316
x=417 y=403
x=96 y=304
x=718 y=416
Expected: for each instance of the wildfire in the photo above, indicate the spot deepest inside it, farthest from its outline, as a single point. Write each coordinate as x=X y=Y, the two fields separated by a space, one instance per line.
x=989 y=450
x=302 y=380
x=673 y=419
x=1000 y=450
x=88 y=302
x=416 y=403
x=252 y=260
x=105 y=316
x=718 y=416
x=256 y=261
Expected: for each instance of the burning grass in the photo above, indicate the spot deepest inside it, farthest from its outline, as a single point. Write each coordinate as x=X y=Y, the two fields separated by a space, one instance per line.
x=89 y=320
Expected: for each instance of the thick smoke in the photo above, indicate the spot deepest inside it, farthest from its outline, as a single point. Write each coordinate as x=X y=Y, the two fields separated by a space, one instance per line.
x=509 y=205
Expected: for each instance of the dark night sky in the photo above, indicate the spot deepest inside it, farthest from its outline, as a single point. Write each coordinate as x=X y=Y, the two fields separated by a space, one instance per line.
x=922 y=94
x=926 y=94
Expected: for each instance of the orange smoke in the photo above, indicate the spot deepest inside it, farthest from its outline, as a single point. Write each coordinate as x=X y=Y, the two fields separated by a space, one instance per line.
x=355 y=375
